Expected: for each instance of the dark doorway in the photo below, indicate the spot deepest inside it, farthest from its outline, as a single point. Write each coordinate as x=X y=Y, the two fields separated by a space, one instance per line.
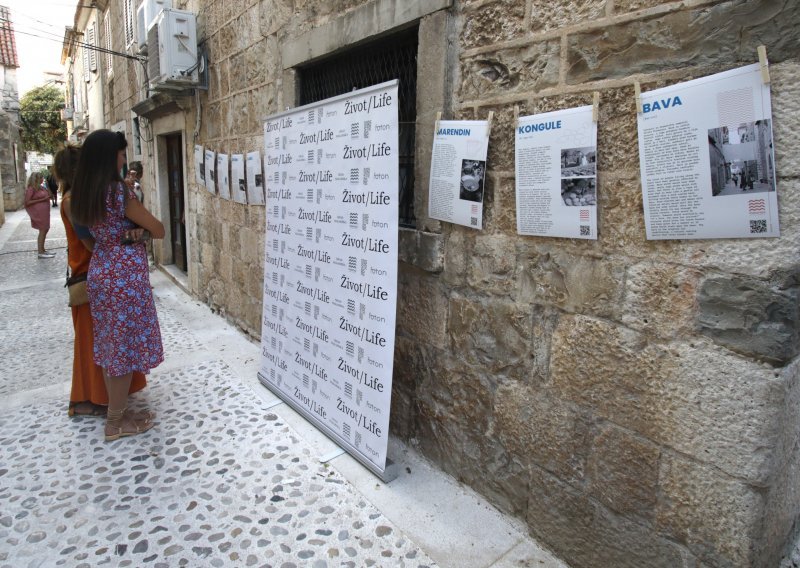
x=176 y=205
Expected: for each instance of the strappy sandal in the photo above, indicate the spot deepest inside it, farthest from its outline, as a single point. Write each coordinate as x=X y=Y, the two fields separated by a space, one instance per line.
x=93 y=409
x=114 y=421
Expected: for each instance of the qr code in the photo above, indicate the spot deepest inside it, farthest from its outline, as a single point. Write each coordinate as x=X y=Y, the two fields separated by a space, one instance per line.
x=473 y=221
x=585 y=230
x=758 y=226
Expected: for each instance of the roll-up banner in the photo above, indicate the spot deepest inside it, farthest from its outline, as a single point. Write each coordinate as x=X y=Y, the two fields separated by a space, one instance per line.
x=330 y=267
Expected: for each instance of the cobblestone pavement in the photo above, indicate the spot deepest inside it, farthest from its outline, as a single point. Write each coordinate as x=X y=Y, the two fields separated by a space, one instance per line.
x=223 y=479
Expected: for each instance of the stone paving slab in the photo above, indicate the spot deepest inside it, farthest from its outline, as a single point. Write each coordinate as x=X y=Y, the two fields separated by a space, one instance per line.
x=229 y=476
x=219 y=481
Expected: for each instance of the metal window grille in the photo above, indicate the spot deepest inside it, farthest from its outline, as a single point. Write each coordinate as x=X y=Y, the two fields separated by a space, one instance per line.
x=392 y=57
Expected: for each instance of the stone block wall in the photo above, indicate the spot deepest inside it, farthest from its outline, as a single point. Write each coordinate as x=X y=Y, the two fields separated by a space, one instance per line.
x=634 y=401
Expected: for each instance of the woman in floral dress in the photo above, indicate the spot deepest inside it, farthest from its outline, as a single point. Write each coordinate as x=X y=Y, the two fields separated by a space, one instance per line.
x=127 y=334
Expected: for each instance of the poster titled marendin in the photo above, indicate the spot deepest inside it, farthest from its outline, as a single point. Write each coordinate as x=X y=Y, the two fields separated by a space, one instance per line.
x=706 y=158
x=556 y=174
x=330 y=270
x=458 y=170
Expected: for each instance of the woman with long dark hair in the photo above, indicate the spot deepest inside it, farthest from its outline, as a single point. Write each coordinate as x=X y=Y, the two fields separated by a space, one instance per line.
x=127 y=337
x=88 y=396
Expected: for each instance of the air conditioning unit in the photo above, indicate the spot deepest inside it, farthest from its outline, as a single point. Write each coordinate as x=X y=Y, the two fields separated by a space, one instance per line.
x=152 y=8
x=66 y=113
x=141 y=30
x=172 y=50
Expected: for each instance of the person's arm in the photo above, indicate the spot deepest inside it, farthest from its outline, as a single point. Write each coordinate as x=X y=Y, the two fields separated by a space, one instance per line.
x=136 y=212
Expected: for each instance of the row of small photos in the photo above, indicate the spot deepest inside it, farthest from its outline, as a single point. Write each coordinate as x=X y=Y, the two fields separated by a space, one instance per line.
x=237 y=177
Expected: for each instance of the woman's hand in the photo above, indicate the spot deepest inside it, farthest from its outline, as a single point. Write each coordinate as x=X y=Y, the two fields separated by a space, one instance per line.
x=135 y=236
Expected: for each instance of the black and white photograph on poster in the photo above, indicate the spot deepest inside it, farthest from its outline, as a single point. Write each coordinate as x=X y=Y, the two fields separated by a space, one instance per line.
x=458 y=169
x=556 y=167
x=579 y=192
x=473 y=173
x=331 y=263
x=707 y=158
x=255 y=179
x=740 y=160
x=577 y=162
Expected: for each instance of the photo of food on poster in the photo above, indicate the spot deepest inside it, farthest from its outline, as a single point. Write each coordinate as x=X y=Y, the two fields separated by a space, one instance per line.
x=238 y=188
x=223 y=182
x=199 y=166
x=210 y=177
x=556 y=174
x=458 y=171
x=707 y=159
x=255 y=179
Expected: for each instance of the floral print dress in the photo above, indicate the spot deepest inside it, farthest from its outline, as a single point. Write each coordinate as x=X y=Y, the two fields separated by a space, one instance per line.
x=127 y=336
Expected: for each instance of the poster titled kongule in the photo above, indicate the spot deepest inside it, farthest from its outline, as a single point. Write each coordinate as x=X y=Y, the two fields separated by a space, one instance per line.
x=223 y=181
x=238 y=188
x=255 y=179
x=706 y=158
x=199 y=165
x=556 y=174
x=330 y=269
x=210 y=177
x=458 y=170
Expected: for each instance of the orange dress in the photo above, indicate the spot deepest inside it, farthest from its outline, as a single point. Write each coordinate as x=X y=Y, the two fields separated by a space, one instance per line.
x=87 y=377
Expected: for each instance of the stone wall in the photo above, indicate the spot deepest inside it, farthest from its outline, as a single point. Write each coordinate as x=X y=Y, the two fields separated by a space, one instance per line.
x=12 y=172
x=634 y=401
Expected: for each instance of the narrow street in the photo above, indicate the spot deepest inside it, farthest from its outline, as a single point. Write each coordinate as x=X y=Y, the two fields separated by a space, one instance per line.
x=229 y=476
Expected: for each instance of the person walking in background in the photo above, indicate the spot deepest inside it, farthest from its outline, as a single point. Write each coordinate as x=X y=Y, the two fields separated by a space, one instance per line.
x=37 y=200
x=127 y=337
x=52 y=185
x=88 y=396
x=133 y=179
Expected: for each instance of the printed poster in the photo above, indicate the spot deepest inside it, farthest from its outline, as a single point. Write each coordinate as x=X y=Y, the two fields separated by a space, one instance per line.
x=223 y=182
x=210 y=176
x=330 y=270
x=707 y=159
x=199 y=166
x=238 y=189
x=255 y=179
x=556 y=174
x=458 y=171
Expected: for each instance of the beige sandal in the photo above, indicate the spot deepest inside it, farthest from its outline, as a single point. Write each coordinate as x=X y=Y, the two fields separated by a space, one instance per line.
x=114 y=420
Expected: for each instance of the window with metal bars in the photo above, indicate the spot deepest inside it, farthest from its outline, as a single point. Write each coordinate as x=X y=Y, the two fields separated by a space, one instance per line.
x=392 y=57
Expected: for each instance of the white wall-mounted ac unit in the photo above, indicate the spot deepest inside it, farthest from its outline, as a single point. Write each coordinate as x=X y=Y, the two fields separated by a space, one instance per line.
x=172 y=50
x=141 y=30
x=152 y=8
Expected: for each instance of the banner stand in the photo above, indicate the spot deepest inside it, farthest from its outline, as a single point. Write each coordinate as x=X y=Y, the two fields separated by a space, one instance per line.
x=388 y=474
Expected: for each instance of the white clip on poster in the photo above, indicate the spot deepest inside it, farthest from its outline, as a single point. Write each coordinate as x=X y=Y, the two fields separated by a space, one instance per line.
x=330 y=270
x=706 y=158
x=458 y=171
x=556 y=174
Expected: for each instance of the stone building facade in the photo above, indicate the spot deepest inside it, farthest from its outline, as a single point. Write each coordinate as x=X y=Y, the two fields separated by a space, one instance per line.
x=12 y=155
x=635 y=402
